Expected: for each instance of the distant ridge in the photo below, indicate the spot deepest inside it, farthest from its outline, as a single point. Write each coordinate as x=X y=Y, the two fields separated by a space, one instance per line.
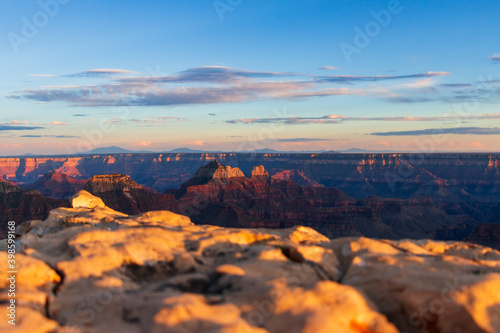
x=112 y=150
x=115 y=150
x=187 y=151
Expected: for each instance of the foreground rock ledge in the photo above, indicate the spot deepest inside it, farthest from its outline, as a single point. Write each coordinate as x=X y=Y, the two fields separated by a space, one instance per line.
x=92 y=269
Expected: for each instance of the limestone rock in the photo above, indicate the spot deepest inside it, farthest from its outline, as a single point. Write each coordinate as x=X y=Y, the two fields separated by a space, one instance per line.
x=107 y=183
x=259 y=171
x=98 y=270
x=161 y=217
x=29 y=320
x=427 y=286
x=84 y=199
x=215 y=170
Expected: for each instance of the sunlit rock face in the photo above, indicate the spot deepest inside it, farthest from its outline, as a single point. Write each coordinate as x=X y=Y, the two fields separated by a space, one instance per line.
x=107 y=183
x=215 y=170
x=84 y=199
x=260 y=171
x=57 y=185
x=127 y=196
x=98 y=270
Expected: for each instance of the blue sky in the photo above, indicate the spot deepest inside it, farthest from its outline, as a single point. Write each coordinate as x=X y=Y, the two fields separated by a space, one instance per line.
x=236 y=75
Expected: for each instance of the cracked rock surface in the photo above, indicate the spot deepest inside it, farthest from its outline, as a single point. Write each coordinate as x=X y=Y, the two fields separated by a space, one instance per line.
x=92 y=269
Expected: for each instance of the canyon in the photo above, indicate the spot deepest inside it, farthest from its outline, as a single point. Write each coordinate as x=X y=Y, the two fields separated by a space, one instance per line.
x=393 y=196
x=91 y=269
x=359 y=175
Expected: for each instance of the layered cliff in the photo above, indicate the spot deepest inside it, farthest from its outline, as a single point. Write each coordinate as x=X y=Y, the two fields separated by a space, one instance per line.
x=57 y=185
x=458 y=183
x=263 y=202
x=297 y=177
x=127 y=196
x=97 y=270
x=21 y=205
x=224 y=195
x=385 y=174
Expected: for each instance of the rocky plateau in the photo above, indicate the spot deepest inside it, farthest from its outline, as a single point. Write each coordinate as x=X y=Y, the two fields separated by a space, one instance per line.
x=92 y=269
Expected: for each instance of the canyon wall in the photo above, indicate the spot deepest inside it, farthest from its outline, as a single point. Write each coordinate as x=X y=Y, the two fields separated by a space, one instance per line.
x=457 y=183
x=367 y=174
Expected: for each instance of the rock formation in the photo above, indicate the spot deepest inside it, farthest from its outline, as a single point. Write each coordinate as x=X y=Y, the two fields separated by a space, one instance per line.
x=459 y=184
x=260 y=171
x=263 y=202
x=21 y=205
x=84 y=199
x=97 y=270
x=297 y=177
x=127 y=196
x=223 y=196
x=214 y=170
x=57 y=185
x=109 y=183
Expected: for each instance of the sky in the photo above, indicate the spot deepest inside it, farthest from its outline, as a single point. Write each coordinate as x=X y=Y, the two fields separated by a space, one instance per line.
x=237 y=75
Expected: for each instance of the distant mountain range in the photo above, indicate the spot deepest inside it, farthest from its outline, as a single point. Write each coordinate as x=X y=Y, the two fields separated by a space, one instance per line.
x=115 y=150
x=119 y=150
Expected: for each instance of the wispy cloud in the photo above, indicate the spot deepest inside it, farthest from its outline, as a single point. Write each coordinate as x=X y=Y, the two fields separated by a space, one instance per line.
x=328 y=68
x=142 y=144
x=495 y=57
x=210 y=74
x=302 y=140
x=8 y=127
x=101 y=72
x=145 y=121
x=205 y=85
x=156 y=120
x=437 y=131
x=44 y=75
x=57 y=123
x=127 y=94
x=49 y=136
x=350 y=78
x=456 y=85
x=338 y=119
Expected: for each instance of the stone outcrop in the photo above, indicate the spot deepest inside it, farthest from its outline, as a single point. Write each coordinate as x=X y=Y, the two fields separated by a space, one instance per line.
x=215 y=170
x=127 y=196
x=109 y=183
x=260 y=171
x=57 y=185
x=297 y=177
x=84 y=199
x=19 y=205
x=8 y=187
x=98 y=270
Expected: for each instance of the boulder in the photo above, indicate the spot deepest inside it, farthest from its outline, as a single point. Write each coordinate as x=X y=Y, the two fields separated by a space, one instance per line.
x=84 y=199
